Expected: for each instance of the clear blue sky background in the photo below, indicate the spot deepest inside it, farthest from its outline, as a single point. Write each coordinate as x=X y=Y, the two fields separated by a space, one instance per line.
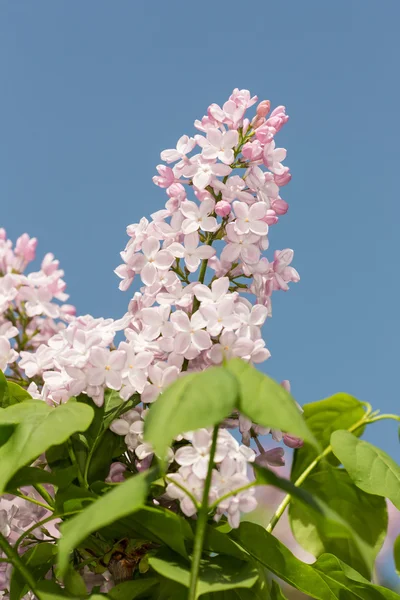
x=92 y=91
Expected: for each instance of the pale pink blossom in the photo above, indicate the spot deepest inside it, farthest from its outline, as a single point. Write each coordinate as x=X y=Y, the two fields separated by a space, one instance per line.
x=220 y=316
x=7 y=354
x=273 y=158
x=250 y=219
x=191 y=252
x=191 y=338
x=219 y=145
x=202 y=171
x=152 y=260
x=184 y=145
x=240 y=246
x=161 y=376
x=230 y=345
x=107 y=367
x=198 y=217
x=196 y=455
x=218 y=290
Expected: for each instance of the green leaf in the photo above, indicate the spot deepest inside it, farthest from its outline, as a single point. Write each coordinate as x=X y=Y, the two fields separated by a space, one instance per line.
x=266 y=477
x=73 y=499
x=128 y=590
x=334 y=569
x=220 y=543
x=396 y=552
x=112 y=400
x=38 y=426
x=14 y=394
x=74 y=583
x=103 y=455
x=371 y=469
x=365 y=514
x=3 y=387
x=276 y=592
x=157 y=525
x=266 y=402
x=39 y=561
x=191 y=402
x=123 y=500
x=216 y=574
x=33 y=475
x=340 y=411
x=326 y=579
x=50 y=590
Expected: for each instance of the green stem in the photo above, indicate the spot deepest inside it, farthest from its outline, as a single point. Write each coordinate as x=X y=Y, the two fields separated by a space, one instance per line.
x=34 y=501
x=202 y=522
x=382 y=417
x=11 y=553
x=44 y=493
x=74 y=461
x=285 y=502
x=203 y=269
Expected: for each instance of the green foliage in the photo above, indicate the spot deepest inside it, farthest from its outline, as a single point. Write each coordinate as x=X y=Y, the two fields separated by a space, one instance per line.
x=39 y=560
x=124 y=499
x=371 y=469
x=3 y=387
x=365 y=515
x=74 y=583
x=37 y=427
x=338 y=514
x=129 y=590
x=216 y=574
x=276 y=592
x=193 y=401
x=33 y=475
x=396 y=552
x=327 y=579
x=340 y=411
x=266 y=402
x=267 y=477
x=13 y=394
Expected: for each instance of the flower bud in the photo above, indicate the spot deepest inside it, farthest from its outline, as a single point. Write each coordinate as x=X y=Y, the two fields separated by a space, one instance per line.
x=116 y=474
x=263 y=108
x=222 y=208
x=279 y=206
x=292 y=441
x=284 y=178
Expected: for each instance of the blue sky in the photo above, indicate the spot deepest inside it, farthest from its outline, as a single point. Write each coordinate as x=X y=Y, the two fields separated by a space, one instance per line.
x=92 y=91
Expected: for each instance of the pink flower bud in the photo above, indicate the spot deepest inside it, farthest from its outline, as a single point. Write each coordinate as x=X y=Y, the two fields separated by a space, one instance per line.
x=279 y=206
x=3 y=234
x=222 y=208
x=286 y=385
x=257 y=122
x=246 y=123
x=263 y=108
x=68 y=309
x=116 y=474
x=270 y=217
x=284 y=178
x=291 y=441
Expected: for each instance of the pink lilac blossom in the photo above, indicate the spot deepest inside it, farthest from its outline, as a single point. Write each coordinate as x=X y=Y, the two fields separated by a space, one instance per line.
x=205 y=295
